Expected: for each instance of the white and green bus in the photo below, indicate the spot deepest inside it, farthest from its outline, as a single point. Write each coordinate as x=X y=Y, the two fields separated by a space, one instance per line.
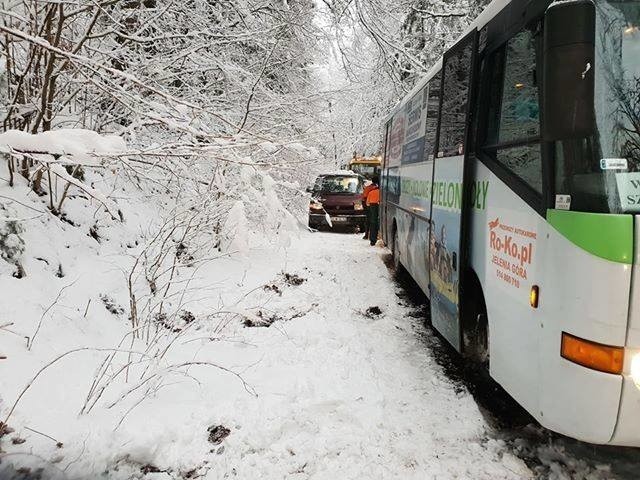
x=511 y=184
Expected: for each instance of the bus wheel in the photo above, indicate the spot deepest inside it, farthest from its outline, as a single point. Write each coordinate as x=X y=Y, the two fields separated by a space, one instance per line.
x=400 y=273
x=395 y=252
x=476 y=327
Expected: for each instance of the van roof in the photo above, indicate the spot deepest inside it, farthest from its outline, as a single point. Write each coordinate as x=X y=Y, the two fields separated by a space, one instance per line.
x=341 y=173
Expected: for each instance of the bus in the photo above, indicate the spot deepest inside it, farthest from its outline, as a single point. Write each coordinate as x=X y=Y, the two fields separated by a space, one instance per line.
x=510 y=189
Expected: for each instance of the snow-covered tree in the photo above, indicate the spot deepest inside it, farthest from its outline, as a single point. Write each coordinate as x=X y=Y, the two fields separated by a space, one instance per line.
x=384 y=47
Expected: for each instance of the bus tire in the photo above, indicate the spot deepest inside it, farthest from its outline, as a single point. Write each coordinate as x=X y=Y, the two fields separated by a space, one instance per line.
x=398 y=269
x=395 y=252
x=475 y=333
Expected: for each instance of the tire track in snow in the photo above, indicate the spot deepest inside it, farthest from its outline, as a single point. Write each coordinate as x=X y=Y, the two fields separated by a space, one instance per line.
x=374 y=404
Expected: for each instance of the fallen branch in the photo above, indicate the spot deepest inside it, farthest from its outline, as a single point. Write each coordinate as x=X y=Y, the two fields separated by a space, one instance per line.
x=33 y=337
x=59 y=444
x=51 y=363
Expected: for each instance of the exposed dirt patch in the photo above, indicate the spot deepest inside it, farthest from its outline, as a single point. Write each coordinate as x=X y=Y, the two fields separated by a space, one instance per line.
x=373 y=312
x=178 y=323
x=217 y=433
x=148 y=468
x=293 y=279
x=261 y=319
x=93 y=233
x=65 y=219
x=111 y=305
x=5 y=429
x=182 y=253
x=272 y=288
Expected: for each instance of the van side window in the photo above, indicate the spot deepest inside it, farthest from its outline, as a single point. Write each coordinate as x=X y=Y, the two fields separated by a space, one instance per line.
x=512 y=136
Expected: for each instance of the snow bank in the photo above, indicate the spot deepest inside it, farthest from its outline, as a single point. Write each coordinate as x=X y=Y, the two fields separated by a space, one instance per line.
x=236 y=230
x=74 y=145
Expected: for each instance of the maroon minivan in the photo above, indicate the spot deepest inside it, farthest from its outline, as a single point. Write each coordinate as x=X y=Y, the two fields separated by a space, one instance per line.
x=338 y=195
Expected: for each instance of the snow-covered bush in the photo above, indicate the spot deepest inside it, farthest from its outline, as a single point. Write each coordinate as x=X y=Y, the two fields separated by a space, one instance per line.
x=195 y=89
x=11 y=243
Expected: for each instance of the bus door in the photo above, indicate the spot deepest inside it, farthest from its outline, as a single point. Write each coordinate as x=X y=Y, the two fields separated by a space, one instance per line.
x=447 y=256
x=384 y=185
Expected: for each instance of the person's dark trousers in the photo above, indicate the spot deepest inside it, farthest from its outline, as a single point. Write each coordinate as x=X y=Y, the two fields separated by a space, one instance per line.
x=374 y=223
x=366 y=223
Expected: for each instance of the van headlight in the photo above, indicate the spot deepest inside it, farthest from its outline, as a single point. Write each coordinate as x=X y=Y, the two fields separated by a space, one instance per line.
x=316 y=206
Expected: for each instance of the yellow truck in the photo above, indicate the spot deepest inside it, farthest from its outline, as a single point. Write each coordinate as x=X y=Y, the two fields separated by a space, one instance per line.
x=365 y=166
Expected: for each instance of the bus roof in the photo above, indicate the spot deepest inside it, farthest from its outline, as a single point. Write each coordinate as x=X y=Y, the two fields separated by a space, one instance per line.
x=481 y=20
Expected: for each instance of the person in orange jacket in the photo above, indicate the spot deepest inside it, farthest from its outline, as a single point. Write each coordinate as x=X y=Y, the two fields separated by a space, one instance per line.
x=373 y=210
x=365 y=192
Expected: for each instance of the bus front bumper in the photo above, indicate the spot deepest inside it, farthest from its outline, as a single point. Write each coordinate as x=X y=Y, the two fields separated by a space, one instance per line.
x=627 y=431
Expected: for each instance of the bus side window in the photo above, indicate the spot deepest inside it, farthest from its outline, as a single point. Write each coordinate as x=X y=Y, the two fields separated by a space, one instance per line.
x=453 y=116
x=431 y=126
x=520 y=110
x=512 y=128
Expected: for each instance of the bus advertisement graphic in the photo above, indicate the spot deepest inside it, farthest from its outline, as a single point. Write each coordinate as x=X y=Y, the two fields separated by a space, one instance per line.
x=512 y=249
x=446 y=194
x=444 y=247
x=396 y=140
x=443 y=250
x=415 y=120
x=415 y=251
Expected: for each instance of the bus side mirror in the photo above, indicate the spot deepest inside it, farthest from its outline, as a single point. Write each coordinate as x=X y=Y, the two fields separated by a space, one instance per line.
x=568 y=76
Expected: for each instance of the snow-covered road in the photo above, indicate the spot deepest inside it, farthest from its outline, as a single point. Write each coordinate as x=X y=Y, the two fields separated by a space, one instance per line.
x=329 y=390
x=343 y=394
x=305 y=362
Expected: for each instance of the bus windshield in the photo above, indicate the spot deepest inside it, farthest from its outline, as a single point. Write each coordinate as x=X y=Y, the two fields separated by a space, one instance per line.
x=600 y=172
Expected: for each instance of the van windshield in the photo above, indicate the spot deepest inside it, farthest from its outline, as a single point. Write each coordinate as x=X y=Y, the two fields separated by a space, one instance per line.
x=339 y=184
x=600 y=173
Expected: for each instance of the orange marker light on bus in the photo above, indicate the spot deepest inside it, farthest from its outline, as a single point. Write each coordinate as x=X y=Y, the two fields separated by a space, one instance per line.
x=533 y=296
x=596 y=356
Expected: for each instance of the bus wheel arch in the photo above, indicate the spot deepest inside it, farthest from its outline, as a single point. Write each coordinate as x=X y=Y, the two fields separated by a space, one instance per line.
x=475 y=322
x=394 y=245
x=398 y=268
